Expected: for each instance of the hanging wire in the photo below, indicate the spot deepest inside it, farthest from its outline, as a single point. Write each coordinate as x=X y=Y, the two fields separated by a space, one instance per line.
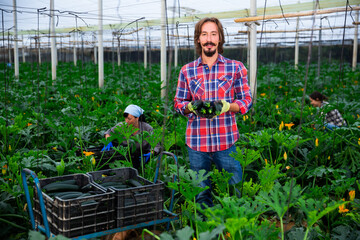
x=303 y=100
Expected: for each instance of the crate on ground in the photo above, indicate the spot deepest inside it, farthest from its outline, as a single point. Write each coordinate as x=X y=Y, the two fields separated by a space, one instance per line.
x=133 y=204
x=77 y=216
x=107 y=156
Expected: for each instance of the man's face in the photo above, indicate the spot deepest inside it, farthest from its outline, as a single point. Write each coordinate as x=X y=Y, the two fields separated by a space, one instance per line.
x=209 y=38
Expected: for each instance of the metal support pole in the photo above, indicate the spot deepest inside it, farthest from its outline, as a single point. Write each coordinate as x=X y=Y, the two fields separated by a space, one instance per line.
x=101 y=48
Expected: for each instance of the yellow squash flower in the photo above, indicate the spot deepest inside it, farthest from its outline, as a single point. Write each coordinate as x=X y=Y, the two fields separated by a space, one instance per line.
x=263 y=94
x=316 y=142
x=359 y=141
x=55 y=149
x=289 y=125
x=3 y=170
x=277 y=106
x=266 y=161
x=93 y=161
x=352 y=195
x=281 y=126
x=92 y=98
x=342 y=209
x=285 y=156
x=88 y=153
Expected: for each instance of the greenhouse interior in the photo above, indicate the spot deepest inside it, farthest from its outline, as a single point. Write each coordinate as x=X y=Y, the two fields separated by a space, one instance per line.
x=155 y=119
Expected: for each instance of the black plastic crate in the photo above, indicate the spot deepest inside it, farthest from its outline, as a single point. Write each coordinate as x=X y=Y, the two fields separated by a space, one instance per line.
x=76 y=217
x=107 y=157
x=135 y=204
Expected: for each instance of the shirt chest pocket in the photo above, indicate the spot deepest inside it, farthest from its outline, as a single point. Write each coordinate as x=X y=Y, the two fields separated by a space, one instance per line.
x=225 y=83
x=197 y=88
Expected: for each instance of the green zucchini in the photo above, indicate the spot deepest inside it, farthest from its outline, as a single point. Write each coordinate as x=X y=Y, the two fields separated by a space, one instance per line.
x=134 y=183
x=61 y=187
x=218 y=107
x=70 y=196
x=196 y=104
x=50 y=185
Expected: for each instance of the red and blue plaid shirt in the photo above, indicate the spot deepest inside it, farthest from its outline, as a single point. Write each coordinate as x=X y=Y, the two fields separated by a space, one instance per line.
x=227 y=80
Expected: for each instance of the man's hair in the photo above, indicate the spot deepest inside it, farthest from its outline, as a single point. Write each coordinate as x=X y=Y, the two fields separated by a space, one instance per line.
x=318 y=96
x=197 y=33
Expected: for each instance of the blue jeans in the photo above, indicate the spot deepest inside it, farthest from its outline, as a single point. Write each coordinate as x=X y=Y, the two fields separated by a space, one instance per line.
x=222 y=160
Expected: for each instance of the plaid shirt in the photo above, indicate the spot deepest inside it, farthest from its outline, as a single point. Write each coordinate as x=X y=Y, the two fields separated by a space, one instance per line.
x=227 y=80
x=333 y=116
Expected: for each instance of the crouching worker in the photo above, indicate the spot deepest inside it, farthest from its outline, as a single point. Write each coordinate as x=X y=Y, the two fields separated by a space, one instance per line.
x=332 y=118
x=133 y=115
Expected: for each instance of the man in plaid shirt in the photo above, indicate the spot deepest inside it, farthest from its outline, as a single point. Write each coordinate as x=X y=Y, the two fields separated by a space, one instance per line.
x=212 y=77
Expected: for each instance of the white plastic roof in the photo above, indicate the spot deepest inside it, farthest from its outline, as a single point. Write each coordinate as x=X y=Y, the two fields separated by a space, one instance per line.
x=116 y=12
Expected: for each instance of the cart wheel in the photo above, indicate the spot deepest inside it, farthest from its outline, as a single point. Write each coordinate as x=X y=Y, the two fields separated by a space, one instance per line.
x=125 y=235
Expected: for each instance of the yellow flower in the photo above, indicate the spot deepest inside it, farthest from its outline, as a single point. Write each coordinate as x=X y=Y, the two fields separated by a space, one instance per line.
x=285 y=156
x=157 y=106
x=77 y=95
x=352 y=195
x=277 y=106
x=289 y=125
x=97 y=129
x=328 y=157
x=356 y=114
x=280 y=86
x=92 y=98
x=288 y=167
x=266 y=161
x=228 y=234
x=316 y=142
x=9 y=147
x=55 y=149
x=3 y=170
x=359 y=141
x=278 y=112
x=342 y=209
x=332 y=90
x=88 y=153
x=281 y=126
x=244 y=118
x=93 y=161
x=263 y=94
x=29 y=124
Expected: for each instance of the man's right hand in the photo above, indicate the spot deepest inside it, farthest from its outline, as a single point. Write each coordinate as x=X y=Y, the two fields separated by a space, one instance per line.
x=194 y=106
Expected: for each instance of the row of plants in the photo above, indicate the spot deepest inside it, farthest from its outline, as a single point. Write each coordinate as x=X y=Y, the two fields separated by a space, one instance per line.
x=300 y=181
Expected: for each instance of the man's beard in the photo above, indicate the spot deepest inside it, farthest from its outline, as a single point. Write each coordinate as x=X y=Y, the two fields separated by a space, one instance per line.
x=209 y=53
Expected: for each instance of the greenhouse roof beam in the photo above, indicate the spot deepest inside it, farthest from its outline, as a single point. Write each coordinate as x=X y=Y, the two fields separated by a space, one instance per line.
x=297 y=14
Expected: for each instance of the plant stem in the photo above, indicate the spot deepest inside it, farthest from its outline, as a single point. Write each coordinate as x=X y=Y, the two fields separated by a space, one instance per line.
x=197 y=230
x=282 y=228
x=306 y=233
x=150 y=233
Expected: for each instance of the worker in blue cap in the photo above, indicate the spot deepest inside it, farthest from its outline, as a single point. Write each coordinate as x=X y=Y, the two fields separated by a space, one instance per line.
x=134 y=116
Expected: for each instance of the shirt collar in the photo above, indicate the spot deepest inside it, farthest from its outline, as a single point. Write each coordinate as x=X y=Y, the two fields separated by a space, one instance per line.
x=219 y=59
